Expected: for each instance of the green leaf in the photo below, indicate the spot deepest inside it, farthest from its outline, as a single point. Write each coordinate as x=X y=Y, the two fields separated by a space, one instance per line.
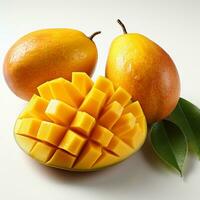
x=169 y=143
x=187 y=117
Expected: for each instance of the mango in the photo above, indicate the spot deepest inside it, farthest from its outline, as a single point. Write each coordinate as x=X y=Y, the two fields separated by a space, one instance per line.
x=47 y=54
x=80 y=125
x=146 y=71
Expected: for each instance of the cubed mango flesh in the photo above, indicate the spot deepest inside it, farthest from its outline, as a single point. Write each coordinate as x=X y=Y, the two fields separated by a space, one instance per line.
x=26 y=143
x=45 y=91
x=105 y=85
x=51 y=133
x=36 y=108
x=27 y=126
x=83 y=123
x=102 y=135
x=124 y=124
x=72 y=142
x=42 y=152
x=61 y=159
x=93 y=102
x=110 y=115
x=65 y=91
x=82 y=82
x=89 y=155
x=80 y=125
x=60 y=112
x=120 y=95
x=119 y=147
x=106 y=159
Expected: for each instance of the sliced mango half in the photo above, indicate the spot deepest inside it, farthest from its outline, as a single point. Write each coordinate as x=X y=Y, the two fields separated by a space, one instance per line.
x=80 y=125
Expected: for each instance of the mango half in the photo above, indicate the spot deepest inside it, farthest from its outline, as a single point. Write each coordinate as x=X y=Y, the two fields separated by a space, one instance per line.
x=80 y=125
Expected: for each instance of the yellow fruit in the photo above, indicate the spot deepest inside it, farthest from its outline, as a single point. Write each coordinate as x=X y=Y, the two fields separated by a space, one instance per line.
x=146 y=71
x=45 y=55
x=80 y=128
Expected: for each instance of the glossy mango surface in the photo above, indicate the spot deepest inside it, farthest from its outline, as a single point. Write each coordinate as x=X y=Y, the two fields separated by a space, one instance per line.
x=47 y=54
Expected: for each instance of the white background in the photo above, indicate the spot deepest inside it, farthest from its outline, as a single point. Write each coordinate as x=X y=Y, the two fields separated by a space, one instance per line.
x=175 y=25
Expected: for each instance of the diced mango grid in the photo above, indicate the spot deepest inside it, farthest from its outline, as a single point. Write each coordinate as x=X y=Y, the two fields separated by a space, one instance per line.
x=64 y=108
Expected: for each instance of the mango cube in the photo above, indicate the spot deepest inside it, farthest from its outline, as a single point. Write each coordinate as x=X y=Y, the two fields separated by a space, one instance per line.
x=42 y=152
x=83 y=123
x=65 y=91
x=51 y=133
x=124 y=124
x=72 y=142
x=110 y=115
x=89 y=156
x=45 y=91
x=121 y=96
x=26 y=143
x=120 y=148
x=143 y=125
x=27 y=126
x=105 y=85
x=129 y=136
x=79 y=125
x=138 y=136
x=35 y=108
x=106 y=158
x=102 y=135
x=60 y=112
x=82 y=82
x=93 y=102
x=133 y=108
x=61 y=159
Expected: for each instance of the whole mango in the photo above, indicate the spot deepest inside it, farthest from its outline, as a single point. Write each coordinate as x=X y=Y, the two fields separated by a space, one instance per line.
x=47 y=54
x=146 y=71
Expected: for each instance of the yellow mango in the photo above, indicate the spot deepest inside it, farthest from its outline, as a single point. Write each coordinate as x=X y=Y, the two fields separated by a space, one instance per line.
x=80 y=125
x=146 y=71
x=47 y=54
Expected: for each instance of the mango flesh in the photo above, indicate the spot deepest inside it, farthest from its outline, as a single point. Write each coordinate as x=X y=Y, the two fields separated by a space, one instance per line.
x=93 y=127
x=147 y=72
x=45 y=55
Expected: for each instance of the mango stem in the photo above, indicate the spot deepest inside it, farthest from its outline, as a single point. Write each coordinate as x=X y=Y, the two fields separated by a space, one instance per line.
x=122 y=25
x=94 y=34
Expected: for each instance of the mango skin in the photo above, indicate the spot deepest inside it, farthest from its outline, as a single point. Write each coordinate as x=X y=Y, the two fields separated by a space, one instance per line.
x=147 y=72
x=47 y=54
